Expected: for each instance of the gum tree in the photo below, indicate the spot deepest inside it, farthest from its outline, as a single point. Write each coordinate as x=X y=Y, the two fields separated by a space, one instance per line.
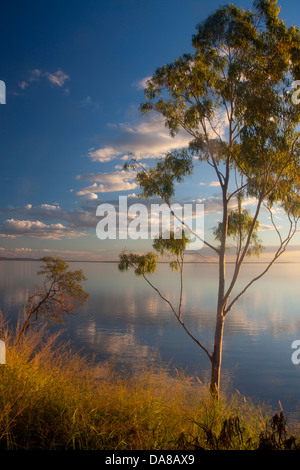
x=60 y=294
x=233 y=97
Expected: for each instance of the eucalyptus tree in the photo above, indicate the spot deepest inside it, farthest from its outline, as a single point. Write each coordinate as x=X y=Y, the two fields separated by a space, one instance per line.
x=240 y=74
x=60 y=294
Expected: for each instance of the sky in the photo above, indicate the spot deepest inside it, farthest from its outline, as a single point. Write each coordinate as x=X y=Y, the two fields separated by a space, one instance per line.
x=74 y=73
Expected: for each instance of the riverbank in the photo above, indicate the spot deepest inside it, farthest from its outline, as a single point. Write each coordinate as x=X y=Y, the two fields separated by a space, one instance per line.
x=52 y=398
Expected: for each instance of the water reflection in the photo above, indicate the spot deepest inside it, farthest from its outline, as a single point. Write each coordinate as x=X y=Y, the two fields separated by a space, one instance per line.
x=126 y=321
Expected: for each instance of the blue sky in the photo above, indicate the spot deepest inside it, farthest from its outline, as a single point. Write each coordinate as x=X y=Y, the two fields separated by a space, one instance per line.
x=74 y=74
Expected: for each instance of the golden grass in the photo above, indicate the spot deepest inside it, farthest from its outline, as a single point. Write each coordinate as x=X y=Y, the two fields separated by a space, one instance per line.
x=53 y=398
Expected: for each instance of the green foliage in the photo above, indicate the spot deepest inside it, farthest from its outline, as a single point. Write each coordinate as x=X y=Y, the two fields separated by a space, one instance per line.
x=174 y=244
x=61 y=294
x=241 y=71
x=243 y=63
x=142 y=264
x=159 y=181
x=240 y=224
x=173 y=247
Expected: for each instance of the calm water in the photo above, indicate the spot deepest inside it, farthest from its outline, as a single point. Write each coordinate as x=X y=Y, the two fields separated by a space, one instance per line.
x=125 y=321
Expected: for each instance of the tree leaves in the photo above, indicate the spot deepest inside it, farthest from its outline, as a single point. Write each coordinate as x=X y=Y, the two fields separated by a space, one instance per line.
x=242 y=67
x=159 y=181
x=142 y=264
x=172 y=247
x=60 y=294
x=239 y=226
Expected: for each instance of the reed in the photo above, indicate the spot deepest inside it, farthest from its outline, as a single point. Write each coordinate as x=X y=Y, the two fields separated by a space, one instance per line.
x=53 y=398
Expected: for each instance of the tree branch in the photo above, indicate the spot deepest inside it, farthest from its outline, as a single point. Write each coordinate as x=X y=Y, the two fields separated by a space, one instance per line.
x=281 y=249
x=179 y=319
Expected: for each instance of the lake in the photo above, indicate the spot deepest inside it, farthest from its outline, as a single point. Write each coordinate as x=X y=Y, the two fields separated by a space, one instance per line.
x=126 y=322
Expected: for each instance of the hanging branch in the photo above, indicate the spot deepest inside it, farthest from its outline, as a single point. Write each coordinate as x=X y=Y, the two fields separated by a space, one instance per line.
x=281 y=249
x=178 y=317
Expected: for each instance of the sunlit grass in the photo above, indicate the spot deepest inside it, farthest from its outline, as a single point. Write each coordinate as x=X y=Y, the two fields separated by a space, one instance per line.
x=53 y=398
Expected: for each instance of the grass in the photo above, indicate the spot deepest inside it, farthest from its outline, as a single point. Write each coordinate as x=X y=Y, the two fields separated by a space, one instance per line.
x=52 y=398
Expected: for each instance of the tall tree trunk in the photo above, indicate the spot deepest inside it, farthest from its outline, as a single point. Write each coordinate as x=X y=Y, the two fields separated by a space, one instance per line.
x=218 y=344
x=216 y=361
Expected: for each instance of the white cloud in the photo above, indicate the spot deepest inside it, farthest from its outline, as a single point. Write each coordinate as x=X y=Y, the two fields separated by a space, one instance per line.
x=219 y=126
x=58 y=78
x=146 y=139
x=73 y=220
x=266 y=227
x=50 y=207
x=39 y=253
x=141 y=84
x=109 y=182
x=105 y=154
x=12 y=228
x=107 y=188
x=90 y=197
x=214 y=205
x=109 y=177
x=34 y=75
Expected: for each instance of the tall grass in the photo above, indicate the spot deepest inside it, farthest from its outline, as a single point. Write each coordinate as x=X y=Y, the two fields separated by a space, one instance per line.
x=53 y=398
